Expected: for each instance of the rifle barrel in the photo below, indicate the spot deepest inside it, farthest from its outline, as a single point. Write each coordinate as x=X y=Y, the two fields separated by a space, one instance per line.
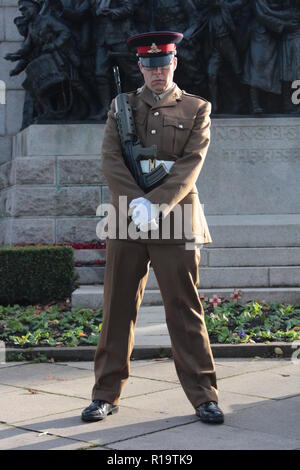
x=117 y=79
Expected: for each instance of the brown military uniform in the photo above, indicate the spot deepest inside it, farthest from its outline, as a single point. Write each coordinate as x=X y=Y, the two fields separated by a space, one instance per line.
x=180 y=127
x=182 y=133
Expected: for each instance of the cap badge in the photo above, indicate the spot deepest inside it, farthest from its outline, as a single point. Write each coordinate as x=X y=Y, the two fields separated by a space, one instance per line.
x=154 y=49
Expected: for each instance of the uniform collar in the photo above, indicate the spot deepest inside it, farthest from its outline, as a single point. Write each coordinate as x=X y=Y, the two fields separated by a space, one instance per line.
x=158 y=97
x=170 y=99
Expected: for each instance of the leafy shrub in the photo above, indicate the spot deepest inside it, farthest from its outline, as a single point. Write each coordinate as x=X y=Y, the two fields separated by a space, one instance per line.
x=36 y=274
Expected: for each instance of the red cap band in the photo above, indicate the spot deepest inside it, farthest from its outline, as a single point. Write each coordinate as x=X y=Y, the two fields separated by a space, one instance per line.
x=155 y=49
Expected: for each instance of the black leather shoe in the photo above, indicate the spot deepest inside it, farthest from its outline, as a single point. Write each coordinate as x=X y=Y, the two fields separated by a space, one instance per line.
x=209 y=412
x=98 y=410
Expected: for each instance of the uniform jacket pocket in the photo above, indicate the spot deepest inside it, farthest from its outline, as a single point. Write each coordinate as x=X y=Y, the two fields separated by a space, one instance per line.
x=176 y=131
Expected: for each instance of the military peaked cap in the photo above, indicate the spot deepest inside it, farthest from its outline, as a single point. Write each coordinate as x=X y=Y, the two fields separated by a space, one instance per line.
x=156 y=48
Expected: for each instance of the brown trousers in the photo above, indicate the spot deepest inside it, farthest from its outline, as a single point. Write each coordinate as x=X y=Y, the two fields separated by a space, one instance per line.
x=126 y=273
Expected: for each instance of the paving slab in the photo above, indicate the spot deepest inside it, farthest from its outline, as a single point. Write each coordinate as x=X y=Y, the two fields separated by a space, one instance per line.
x=175 y=403
x=19 y=439
x=6 y=389
x=127 y=423
x=35 y=374
x=157 y=341
x=90 y=365
x=163 y=370
x=160 y=370
x=85 y=365
x=136 y=363
x=166 y=371
x=24 y=404
x=155 y=413
x=277 y=418
x=82 y=388
x=288 y=370
x=223 y=372
x=198 y=436
x=151 y=328
x=254 y=364
x=263 y=384
x=11 y=364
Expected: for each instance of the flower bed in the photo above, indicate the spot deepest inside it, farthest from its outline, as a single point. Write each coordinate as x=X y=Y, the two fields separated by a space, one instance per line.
x=228 y=322
x=49 y=325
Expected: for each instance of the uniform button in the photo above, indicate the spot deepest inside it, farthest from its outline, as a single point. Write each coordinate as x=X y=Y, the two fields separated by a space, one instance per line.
x=156 y=113
x=153 y=131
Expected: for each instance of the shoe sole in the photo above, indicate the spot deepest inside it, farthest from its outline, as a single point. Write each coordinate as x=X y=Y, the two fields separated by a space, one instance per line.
x=93 y=419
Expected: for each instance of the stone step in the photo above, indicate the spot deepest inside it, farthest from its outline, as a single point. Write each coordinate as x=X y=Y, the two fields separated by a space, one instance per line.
x=255 y=231
x=214 y=257
x=88 y=255
x=243 y=257
x=92 y=296
x=249 y=231
x=46 y=225
x=212 y=277
x=90 y=274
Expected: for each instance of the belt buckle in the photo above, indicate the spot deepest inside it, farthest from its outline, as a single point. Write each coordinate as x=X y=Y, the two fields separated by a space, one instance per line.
x=152 y=164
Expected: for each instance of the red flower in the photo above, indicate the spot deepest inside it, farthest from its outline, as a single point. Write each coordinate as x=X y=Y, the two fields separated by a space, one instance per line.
x=236 y=295
x=215 y=300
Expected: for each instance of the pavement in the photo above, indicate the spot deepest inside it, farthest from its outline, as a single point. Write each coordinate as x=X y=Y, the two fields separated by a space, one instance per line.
x=41 y=405
x=151 y=328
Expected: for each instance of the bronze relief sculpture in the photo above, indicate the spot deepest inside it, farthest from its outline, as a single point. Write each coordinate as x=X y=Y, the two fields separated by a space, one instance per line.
x=242 y=55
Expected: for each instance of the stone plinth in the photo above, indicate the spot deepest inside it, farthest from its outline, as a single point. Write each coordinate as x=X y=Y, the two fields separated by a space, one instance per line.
x=252 y=167
x=50 y=190
x=249 y=184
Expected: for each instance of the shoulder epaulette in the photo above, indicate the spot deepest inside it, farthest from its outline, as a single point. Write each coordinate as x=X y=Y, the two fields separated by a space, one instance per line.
x=194 y=96
x=132 y=92
x=139 y=90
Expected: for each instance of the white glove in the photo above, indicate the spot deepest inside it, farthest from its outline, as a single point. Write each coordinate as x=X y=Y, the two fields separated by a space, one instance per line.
x=152 y=225
x=143 y=214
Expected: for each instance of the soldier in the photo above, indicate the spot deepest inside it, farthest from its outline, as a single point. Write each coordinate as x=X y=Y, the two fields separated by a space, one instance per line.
x=262 y=59
x=22 y=23
x=290 y=51
x=175 y=15
x=76 y=15
x=221 y=30
x=272 y=62
x=113 y=20
x=179 y=124
x=47 y=35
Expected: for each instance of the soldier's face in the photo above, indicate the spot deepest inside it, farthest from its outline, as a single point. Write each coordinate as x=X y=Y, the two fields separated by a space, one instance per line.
x=159 y=79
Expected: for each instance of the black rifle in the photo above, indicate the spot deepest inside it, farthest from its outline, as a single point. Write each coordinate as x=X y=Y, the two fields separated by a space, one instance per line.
x=132 y=149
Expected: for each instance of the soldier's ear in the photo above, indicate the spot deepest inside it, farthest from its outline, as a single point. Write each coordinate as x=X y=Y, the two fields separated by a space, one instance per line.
x=175 y=63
